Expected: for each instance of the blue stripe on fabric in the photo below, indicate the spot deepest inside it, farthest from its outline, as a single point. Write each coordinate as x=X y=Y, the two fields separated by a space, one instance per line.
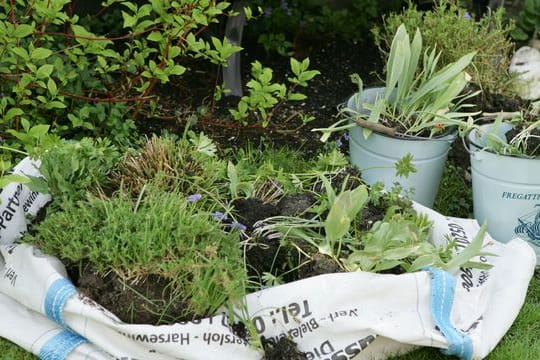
x=442 y=297
x=60 y=346
x=57 y=295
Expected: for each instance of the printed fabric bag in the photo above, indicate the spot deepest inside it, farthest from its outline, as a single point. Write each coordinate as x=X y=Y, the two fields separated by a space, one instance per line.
x=339 y=316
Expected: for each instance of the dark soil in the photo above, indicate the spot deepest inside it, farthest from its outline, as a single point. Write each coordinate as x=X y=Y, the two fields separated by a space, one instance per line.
x=531 y=147
x=284 y=349
x=335 y=60
x=149 y=301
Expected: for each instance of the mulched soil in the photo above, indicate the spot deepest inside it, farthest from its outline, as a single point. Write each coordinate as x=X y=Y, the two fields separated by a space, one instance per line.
x=335 y=60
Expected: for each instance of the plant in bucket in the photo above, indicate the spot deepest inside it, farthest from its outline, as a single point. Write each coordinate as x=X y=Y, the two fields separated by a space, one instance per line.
x=417 y=113
x=505 y=164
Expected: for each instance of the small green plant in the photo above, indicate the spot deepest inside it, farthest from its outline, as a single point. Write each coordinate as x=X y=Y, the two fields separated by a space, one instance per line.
x=398 y=240
x=265 y=96
x=525 y=139
x=164 y=235
x=415 y=102
x=528 y=21
x=277 y=43
x=189 y=164
x=454 y=33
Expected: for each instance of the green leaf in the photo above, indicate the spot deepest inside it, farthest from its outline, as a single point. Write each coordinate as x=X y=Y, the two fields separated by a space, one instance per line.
x=421 y=262
x=51 y=86
x=177 y=70
x=23 y=30
x=232 y=174
x=295 y=66
x=44 y=71
x=21 y=52
x=129 y=21
x=38 y=184
x=38 y=131
x=296 y=96
x=155 y=36
x=55 y=105
x=404 y=166
x=470 y=251
x=11 y=113
x=396 y=59
x=345 y=207
x=13 y=178
x=40 y=53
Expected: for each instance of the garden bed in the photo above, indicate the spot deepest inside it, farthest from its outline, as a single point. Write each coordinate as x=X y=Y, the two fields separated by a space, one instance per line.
x=185 y=105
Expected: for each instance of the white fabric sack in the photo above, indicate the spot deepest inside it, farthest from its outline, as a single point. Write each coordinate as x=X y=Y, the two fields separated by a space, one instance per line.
x=335 y=316
x=18 y=203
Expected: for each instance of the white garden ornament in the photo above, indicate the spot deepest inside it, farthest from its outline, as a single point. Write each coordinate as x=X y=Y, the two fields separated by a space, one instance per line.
x=525 y=65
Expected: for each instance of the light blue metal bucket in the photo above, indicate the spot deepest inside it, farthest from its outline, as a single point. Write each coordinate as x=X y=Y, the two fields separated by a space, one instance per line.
x=377 y=155
x=506 y=191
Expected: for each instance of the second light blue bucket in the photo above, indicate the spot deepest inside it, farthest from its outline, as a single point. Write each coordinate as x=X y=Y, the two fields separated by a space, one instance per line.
x=377 y=155
x=506 y=191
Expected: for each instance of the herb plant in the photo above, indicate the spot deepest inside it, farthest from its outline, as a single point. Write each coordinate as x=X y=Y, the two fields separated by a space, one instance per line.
x=415 y=101
x=397 y=240
x=524 y=140
x=454 y=32
x=71 y=169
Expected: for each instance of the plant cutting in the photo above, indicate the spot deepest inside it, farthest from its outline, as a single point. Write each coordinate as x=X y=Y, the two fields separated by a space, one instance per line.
x=505 y=163
x=364 y=229
x=416 y=103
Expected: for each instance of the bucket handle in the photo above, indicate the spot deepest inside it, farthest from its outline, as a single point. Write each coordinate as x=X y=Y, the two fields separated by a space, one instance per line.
x=475 y=154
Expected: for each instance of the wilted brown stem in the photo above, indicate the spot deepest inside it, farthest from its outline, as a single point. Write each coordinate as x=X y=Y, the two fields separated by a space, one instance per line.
x=380 y=128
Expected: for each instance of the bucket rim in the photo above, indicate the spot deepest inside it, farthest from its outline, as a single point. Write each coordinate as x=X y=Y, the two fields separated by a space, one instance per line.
x=468 y=141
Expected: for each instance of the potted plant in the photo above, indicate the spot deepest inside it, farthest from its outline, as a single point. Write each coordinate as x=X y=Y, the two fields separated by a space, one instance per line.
x=416 y=113
x=505 y=164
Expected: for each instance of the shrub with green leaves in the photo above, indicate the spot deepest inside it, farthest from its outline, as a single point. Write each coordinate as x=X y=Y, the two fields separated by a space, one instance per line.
x=454 y=33
x=161 y=234
x=528 y=21
x=283 y=25
x=55 y=71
